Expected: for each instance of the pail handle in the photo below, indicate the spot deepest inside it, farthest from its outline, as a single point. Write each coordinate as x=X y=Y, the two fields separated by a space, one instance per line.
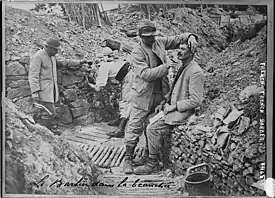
x=197 y=166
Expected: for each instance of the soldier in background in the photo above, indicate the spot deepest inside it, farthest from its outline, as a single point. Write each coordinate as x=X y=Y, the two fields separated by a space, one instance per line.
x=117 y=73
x=43 y=80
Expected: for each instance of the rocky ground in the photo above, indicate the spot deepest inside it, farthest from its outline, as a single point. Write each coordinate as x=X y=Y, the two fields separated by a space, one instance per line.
x=32 y=151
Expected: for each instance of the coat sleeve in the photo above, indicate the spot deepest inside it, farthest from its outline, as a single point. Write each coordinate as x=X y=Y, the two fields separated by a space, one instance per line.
x=144 y=71
x=173 y=42
x=195 y=93
x=34 y=73
x=65 y=63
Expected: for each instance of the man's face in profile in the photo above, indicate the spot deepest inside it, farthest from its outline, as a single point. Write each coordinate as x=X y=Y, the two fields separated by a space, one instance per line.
x=184 y=52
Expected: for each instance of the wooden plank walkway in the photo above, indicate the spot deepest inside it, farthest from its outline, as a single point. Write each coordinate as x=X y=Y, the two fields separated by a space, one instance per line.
x=108 y=153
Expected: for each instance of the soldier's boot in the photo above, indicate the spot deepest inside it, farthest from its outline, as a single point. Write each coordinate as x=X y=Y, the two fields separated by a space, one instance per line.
x=114 y=122
x=120 y=132
x=151 y=166
x=127 y=166
x=143 y=159
x=48 y=122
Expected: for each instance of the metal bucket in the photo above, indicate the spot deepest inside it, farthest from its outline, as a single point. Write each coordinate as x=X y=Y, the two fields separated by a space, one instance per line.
x=198 y=183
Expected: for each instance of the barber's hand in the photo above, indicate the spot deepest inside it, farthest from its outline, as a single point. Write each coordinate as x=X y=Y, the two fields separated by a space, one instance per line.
x=192 y=43
x=169 y=108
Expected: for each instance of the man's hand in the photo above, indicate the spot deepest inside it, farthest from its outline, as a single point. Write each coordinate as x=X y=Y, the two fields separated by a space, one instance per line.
x=192 y=43
x=95 y=87
x=169 y=108
x=158 y=108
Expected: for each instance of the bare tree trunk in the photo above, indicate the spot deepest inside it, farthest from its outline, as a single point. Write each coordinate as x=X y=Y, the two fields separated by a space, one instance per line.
x=148 y=11
x=97 y=15
x=83 y=16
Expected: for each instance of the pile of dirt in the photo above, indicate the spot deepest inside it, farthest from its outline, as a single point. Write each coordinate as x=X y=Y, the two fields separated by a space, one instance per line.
x=33 y=152
x=234 y=69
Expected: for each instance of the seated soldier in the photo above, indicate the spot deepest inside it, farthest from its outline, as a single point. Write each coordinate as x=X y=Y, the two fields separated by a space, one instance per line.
x=117 y=73
x=185 y=95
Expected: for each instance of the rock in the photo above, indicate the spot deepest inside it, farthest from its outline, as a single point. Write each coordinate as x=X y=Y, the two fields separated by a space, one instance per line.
x=25 y=60
x=20 y=91
x=70 y=95
x=25 y=105
x=15 y=182
x=107 y=51
x=18 y=83
x=99 y=55
x=203 y=128
x=232 y=117
x=222 y=139
x=65 y=115
x=236 y=63
x=249 y=91
x=247 y=171
x=220 y=113
x=15 y=58
x=80 y=103
x=10 y=79
x=15 y=69
x=85 y=119
x=80 y=73
x=244 y=124
x=192 y=120
x=233 y=146
x=79 y=111
x=70 y=78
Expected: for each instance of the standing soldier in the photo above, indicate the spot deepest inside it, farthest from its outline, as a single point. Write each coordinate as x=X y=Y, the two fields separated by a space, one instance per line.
x=150 y=83
x=43 y=80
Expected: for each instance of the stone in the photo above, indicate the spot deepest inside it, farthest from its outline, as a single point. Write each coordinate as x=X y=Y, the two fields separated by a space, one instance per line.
x=70 y=78
x=192 y=120
x=15 y=69
x=85 y=119
x=25 y=105
x=25 y=60
x=79 y=111
x=233 y=146
x=80 y=103
x=203 y=128
x=232 y=117
x=249 y=91
x=15 y=58
x=80 y=73
x=19 y=92
x=70 y=95
x=65 y=115
x=107 y=51
x=18 y=83
x=244 y=124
